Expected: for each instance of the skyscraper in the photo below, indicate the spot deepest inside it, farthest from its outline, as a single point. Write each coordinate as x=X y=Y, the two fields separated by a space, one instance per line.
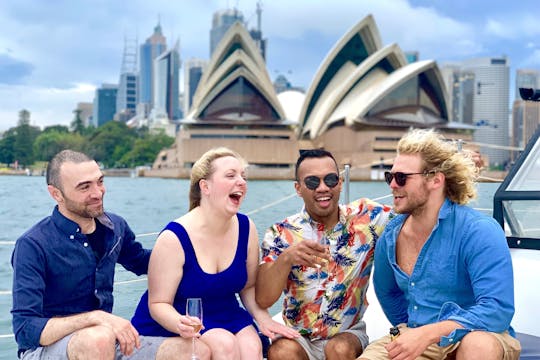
x=460 y=90
x=526 y=79
x=104 y=104
x=193 y=71
x=154 y=46
x=491 y=106
x=166 y=84
x=126 y=98
x=221 y=22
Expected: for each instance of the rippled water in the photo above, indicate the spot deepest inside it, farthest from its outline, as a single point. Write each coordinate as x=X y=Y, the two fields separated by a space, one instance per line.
x=147 y=204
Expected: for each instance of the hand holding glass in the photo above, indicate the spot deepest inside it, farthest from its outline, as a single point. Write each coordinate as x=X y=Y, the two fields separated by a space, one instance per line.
x=194 y=309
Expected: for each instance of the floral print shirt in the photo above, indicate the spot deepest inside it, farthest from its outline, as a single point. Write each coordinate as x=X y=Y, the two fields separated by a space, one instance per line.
x=321 y=302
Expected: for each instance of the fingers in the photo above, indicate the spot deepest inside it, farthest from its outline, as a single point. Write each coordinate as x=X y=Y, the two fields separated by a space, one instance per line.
x=189 y=326
x=128 y=339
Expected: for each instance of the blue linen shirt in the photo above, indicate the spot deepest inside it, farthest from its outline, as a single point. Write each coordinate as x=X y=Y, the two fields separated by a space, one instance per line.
x=55 y=272
x=463 y=273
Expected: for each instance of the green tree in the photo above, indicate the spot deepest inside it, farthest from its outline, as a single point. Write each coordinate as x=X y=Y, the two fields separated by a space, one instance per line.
x=77 y=125
x=49 y=143
x=7 y=144
x=25 y=134
x=110 y=142
x=146 y=149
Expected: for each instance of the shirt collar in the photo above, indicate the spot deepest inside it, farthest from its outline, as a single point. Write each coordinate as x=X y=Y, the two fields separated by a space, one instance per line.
x=341 y=216
x=69 y=226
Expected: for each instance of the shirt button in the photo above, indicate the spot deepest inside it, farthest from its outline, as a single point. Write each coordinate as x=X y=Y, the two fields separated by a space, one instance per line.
x=71 y=237
x=95 y=291
x=85 y=244
x=415 y=307
x=412 y=284
x=78 y=229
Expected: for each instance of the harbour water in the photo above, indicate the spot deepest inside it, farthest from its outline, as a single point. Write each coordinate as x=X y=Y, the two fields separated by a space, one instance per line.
x=148 y=204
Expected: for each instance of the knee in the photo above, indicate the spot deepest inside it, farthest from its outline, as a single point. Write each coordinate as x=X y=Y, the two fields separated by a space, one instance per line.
x=98 y=340
x=286 y=349
x=346 y=346
x=480 y=342
x=225 y=342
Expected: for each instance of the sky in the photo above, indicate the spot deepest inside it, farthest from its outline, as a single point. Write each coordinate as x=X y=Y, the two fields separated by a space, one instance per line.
x=54 y=53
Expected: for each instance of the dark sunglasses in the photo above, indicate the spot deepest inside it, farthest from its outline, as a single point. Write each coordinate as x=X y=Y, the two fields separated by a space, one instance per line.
x=401 y=177
x=313 y=182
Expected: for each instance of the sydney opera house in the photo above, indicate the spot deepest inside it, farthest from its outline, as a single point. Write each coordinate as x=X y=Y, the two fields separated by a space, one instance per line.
x=362 y=99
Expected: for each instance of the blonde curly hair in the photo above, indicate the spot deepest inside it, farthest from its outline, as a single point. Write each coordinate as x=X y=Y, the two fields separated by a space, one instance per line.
x=441 y=155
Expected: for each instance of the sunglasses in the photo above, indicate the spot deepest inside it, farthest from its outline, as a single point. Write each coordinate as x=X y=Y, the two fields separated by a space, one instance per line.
x=313 y=182
x=401 y=177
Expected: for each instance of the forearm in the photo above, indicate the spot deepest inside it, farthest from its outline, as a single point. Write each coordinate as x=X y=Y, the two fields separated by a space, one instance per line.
x=271 y=280
x=434 y=332
x=59 y=327
x=166 y=315
x=247 y=295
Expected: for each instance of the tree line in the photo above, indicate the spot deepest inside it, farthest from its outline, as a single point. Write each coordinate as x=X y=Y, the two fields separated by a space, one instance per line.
x=113 y=144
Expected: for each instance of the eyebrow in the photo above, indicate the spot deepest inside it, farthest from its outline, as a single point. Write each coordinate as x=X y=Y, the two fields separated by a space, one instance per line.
x=83 y=183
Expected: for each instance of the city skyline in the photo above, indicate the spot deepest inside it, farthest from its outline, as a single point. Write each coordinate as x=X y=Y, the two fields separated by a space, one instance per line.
x=38 y=72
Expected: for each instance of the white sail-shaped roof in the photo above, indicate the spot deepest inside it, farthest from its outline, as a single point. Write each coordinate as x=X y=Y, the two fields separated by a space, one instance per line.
x=236 y=66
x=352 y=49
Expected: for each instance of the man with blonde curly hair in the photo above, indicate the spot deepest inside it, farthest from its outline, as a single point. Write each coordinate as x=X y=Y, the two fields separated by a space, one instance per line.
x=443 y=272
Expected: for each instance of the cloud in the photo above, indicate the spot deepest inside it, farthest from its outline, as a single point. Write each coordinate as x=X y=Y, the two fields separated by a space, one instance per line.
x=47 y=106
x=13 y=71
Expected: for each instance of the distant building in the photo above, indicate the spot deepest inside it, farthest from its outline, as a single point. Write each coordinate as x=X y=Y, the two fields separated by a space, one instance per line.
x=362 y=99
x=86 y=109
x=126 y=99
x=193 y=71
x=491 y=106
x=525 y=121
x=154 y=46
x=104 y=104
x=166 y=84
x=526 y=79
x=221 y=22
x=460 y=90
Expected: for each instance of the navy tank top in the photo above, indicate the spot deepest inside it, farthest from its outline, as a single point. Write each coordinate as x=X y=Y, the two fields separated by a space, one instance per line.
x=221 y=307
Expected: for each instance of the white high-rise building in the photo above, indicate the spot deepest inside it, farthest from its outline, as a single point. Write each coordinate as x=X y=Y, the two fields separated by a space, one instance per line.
x=491 y=106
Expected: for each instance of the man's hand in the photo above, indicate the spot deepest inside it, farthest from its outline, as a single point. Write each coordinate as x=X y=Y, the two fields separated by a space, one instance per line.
x=409 y=344
x=126 y=335
x=274 y=329
x=307 y=253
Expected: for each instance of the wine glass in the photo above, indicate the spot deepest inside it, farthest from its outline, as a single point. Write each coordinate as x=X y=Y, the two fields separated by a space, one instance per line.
x=194 y=309
x=323 y=241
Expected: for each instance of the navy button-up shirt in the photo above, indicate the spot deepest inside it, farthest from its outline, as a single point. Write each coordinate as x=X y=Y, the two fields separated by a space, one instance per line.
x=55 y=272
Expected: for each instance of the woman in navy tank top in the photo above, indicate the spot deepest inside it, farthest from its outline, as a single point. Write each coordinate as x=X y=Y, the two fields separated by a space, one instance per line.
x=212 y=253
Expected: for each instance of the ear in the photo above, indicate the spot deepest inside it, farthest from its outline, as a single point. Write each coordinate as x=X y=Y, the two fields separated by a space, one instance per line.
x=203 y=185
x=297 y=188
x=438 y=180
x=55 y=193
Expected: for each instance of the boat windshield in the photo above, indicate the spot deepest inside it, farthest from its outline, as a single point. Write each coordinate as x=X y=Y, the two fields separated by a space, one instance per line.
x=517 y=201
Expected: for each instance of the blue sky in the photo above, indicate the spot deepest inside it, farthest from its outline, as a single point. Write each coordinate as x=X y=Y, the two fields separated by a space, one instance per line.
x=54 y=53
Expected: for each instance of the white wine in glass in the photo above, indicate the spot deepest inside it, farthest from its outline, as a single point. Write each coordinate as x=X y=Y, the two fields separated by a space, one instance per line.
x=194 y=309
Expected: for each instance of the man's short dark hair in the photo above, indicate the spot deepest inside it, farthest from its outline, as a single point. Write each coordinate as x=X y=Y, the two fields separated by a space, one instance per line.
x=53 y=168
x=312 y=153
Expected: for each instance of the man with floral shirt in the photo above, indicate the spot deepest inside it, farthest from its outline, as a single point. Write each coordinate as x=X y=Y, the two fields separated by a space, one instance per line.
x=321 y=258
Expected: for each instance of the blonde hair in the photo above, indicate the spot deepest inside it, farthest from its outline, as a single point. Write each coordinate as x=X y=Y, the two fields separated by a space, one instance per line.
x=440 y=155
x=203 y=169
